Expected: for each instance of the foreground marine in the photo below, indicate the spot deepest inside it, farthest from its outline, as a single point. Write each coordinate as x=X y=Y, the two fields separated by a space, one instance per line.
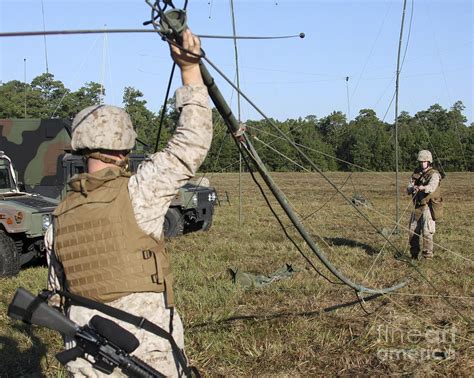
x=107 y=234
x=424 y=187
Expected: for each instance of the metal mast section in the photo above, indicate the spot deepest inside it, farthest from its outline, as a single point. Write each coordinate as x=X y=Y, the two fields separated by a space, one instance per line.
x=397 y=83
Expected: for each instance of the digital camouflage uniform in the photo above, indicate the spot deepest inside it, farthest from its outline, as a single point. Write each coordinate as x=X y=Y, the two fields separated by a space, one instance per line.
x=151 y=190
x=422 y=225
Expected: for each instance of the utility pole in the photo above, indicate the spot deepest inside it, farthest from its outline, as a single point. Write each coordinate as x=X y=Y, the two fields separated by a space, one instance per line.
x=397 y=184
x=24 y=81
x=348 y=101
x=44 y=36
x=238 y=106
x=104 y=59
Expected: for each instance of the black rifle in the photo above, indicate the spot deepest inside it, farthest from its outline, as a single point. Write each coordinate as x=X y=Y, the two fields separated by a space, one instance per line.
x=109 y=344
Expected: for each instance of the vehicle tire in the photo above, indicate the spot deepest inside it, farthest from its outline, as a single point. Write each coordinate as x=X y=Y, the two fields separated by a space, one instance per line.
x=206 y=226
x=174 y=223
x=9 y=259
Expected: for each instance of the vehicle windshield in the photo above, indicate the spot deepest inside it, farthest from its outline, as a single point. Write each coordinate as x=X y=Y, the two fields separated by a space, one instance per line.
x=6 y=182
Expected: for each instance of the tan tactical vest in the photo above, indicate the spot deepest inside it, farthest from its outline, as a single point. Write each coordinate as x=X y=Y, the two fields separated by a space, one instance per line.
x=104 y=252
x=434 y=200
x=423 y=178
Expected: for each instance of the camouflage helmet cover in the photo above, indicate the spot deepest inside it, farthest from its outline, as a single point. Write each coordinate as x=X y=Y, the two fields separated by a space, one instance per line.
x=425 y=155
x=102 y=127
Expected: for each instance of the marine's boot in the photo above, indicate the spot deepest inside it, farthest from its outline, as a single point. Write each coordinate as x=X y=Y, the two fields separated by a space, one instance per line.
x=415 y=254
x=428 y=254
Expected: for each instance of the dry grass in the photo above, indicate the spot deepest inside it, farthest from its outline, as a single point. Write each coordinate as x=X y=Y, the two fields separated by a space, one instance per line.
x=288 y=328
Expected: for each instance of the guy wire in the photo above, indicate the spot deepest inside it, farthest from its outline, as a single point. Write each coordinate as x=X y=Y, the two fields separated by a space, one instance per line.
x=163 y=109
x=239 y=145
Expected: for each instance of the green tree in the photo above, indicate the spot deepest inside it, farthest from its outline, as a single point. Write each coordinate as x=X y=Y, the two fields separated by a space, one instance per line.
x=45 y=98
x=223 y=155
x=87 y=95
x=366 y=143
x=470 y=147
x=410 y=138
x=143 y=119
x=13 y=95
x=274 y=150
x=311 y=140
x=445 y=135
x=51 y=94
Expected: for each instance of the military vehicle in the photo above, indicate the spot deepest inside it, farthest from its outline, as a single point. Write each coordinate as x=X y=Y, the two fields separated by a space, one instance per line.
x=38 y=149
x=24 y=218
x=190 y=210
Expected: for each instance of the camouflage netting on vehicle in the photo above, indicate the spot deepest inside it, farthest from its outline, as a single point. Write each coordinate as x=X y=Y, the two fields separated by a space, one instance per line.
x=37 y=147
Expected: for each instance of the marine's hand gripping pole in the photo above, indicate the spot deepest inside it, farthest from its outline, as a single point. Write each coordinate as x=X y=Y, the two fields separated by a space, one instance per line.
x=169 y=25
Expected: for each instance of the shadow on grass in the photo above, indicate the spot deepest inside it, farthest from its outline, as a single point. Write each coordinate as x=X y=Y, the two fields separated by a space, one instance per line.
x=34 y=263
x=263 y=318
x=353 y=244
x=20 y=362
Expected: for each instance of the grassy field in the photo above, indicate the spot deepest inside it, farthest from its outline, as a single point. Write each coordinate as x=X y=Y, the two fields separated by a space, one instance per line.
x=296 y=326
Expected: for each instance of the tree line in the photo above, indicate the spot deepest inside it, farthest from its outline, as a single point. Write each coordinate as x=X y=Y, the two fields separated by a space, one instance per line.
x=331 y=142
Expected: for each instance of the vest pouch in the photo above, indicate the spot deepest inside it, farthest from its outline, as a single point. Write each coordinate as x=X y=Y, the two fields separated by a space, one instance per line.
x=156 y=266
x=422 y=199
x=160 y=274
x=151 y=267
x=419 y=210
x=437 y=209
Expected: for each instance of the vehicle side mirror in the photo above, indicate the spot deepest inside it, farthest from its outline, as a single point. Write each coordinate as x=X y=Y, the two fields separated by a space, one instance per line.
x=21 y=187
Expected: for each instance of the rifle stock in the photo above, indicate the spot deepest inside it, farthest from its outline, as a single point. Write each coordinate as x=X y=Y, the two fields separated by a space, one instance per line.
x=33 y=310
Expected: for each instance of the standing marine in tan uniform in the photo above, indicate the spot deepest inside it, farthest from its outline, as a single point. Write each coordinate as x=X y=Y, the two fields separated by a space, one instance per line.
x=108 y=231
x=424 y=187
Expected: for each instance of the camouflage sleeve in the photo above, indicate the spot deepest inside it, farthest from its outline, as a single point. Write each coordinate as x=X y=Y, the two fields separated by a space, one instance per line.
x=411 y=186
x=433 y=184
x=53 y=282
x=158 y=179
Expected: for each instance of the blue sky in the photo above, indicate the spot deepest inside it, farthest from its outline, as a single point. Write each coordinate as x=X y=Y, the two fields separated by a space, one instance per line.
x=285 y=78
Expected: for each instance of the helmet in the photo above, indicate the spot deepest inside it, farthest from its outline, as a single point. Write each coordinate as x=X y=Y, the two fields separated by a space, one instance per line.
x=425 y=155
x=102 y=127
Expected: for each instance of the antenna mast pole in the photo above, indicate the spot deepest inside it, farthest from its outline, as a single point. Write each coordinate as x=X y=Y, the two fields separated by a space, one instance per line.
x=24 y=80
x=238 y=106
x=44 y=36
x=397 y=184
x=104 y=55
x=348 y=100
